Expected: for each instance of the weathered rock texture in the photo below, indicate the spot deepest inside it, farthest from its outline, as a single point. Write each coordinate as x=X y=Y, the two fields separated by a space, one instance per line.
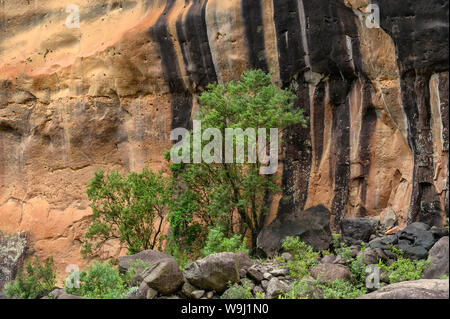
x=107 y=94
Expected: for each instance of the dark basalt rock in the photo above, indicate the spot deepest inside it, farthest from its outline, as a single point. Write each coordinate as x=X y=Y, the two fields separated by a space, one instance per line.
x=358 y=230
x=416 y=240
x=312 y=226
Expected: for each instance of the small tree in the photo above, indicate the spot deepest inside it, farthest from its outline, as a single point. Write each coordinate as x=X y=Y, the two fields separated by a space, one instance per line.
x=231 y=195
x=35 y=281
x=130 y=209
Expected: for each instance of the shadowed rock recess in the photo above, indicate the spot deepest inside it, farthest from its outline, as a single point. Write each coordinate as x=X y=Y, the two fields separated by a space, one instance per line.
x=107 y=94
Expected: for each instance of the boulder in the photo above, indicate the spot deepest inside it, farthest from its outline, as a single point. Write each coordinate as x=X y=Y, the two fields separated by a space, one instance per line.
x=164 y=276
x=389 y=219
x=69 y=296
x=215 y=271
x=383 y=242
x=328 y=259
x=2 y=296
x=280 y=272
x=255 y=274
x=151 y=293
x=358 y=230
x=439 y=257
x=13 y=249
x=416 y=289
x=330 y=272
x=286 y=256
x=312 y=226
x=137 y=263
x=142 y=291
x=369 y=256
x=197 y=294
x=275 y=288
x=57 y=292
x=187 y=290
x=416 y=240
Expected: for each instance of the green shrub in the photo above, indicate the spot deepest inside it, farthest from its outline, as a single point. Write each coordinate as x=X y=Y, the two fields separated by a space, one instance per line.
x=341 y=289
x=101 y=281
x=35 y=281
x=303 y=257
x=238 y=291
x=130 y=209
x=312 y=289
x=217 y=242
x=303 y=289
x=404 y=269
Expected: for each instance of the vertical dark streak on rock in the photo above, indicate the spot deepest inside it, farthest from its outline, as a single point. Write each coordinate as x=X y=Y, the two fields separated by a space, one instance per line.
x=368 y=125
x=421 y=50
x=340 y=158
x=254 y=34
x=289 y=43
x=318 y=115
x=297 y=148
x=195 y=47
x=180 y=97
x=425 y=205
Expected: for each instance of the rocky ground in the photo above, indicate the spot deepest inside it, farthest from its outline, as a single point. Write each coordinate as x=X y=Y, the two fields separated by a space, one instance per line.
x=235 y=275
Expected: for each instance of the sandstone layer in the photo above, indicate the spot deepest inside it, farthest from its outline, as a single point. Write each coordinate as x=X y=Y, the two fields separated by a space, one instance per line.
x=106 y=95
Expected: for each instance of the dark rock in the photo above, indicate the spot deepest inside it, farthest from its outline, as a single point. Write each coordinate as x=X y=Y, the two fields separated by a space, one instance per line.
x=279 y=272
x=275 y=288
x=164 y=276
x=355 y=249
x=380 y=254
x=57 y=292
x=258 y=290
x=187 y=290
x=369 y=256
x=13 y=249
x=328 y=259
x=69 y=296
x=330 y=272
x=255 y=274
x=358 y=230
x=264 y=284
x=383 y=242
x=417 y=289
x=312 y=226
x=215 y=271
x=142 y=291
x=439 y=258
x=197 y=294
x=136 y=264
x=151 y=293
x=416 y=240
x=286 y=256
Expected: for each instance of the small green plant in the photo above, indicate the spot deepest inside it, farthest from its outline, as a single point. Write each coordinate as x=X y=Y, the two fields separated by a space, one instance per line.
x=100 y=281
x=302 y=289
x=404 y=269
x=341 y=289
x=217 y=242
x=237 y=291
x=35 y=281
x=303 y=257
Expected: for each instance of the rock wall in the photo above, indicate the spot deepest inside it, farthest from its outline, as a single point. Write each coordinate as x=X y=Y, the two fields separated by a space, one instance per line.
x=107 y=94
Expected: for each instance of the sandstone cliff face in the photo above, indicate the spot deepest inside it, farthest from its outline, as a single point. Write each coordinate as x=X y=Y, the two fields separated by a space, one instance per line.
x=107 y=94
